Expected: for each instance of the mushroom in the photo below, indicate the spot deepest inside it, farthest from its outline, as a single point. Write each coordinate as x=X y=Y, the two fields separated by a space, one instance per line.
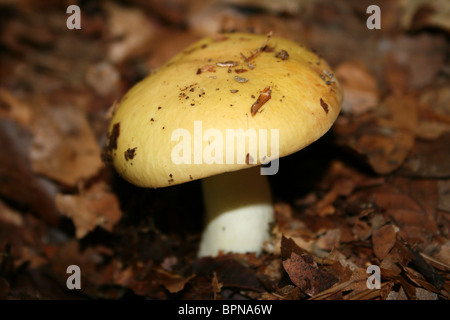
x=225 y=110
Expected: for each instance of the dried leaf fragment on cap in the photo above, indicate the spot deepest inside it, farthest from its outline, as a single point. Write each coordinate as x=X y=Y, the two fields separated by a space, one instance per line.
x=283 y=55
x=262 y=99
x=206 y=68
x=229 y=63
x=262 y=48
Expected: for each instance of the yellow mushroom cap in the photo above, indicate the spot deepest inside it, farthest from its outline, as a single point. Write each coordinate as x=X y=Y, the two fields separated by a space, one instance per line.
x=274 y=91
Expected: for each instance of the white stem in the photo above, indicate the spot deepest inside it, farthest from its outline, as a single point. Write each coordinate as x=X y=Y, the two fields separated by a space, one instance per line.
x=239 y=211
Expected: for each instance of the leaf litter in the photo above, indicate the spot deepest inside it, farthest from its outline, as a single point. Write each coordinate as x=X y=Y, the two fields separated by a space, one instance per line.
x=374 y=192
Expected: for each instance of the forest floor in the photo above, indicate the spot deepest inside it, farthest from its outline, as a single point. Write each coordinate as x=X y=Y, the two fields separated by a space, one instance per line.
x=374 y=192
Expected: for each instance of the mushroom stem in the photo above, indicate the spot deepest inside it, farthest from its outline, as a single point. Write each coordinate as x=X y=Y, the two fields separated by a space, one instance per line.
x=239 y=211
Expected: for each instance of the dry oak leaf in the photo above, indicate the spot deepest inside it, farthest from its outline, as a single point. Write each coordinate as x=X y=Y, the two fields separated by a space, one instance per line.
x=171 y=281
x=305 y=274
x=429 y=159
x=64 y=147
x=229 y=272
x=383 y=240
x=387 y=150
x=360 y=87
x=94 y=207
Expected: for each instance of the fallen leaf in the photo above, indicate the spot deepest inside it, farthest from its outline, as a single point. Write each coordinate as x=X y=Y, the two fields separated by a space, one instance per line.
x=216 y=285
x=230 y=272
x=103 y=77
x=444 y=195
x=361 y=229
x=94 y=207
x=419 y=57
x=399 y=111
x=10 y=216
x=420 y=14
x=173 y=282
x=383 y=240
x=19 y=182
x=429 y=159
x=289 y=246
x=434 y=112
x=305 y=274
x=64 y=147
x=426 y=269
x=360 y=87
x=130 y=30
x=329 y=240
x=288 y=292
x=387 y=150
x=14 y=109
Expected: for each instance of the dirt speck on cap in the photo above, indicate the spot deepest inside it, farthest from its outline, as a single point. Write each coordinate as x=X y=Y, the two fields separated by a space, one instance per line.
x=112 y=145
x=130 y=153
x=324 y=105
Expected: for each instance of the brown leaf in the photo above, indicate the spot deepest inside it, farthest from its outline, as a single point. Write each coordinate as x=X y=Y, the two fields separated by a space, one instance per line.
x=329 y=240
x=13 y=108
x=398 y=256
x=288 y=292
x=413 y=218
x=361 y=229
x=399 y=111
x=94 y=207
x=419 y=14
x=405 y=204
x=358 y=286
x=19 y=182
x=444 y=195
x=420 y=57
x=10 y=216
x=305 y=274
x=64 y=147
x=216 y=285
x=360 y=87
x=288 y=246
x=435 y=103
x=425 y=192
x=104 y=78
x=429 y=159
x=426 y=269
x=383 y=240
x=434 y=112
x=387 y=150
x=173 y=282
x=230 y=272
x=390 y=198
